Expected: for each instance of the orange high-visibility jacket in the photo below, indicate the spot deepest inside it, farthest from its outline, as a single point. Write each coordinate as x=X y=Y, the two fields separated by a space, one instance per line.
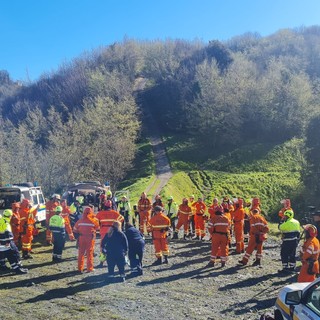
x=159 y=225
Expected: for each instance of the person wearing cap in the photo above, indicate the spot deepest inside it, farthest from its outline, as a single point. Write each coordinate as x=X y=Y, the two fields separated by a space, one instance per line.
x=15 y=223
x=159 y=225
x=57 y=227
x=115 y=246
x=171 y=210
x=27 y=220
x=192 y=226
x=8 y=249
x=309 y=255
x=124 y=209
x=85 y=230
x=219 y=226
x=66 y=214
x=50 y=211
x=184 y=213
x=144 y=207
x=106 y=218
x=200 y=209
x=258 y=233
x=290 y=229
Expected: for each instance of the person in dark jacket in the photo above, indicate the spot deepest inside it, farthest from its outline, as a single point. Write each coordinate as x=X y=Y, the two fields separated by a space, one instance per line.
x=115 y=246
x=136 y=247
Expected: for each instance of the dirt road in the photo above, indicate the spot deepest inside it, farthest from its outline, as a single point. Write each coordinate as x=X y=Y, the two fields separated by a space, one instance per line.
x=184 y=289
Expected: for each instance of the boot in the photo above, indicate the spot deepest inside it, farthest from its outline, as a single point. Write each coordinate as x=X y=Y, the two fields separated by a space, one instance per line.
x=242 y=262
x=157 y=262
x=223 y=264
x=175 y=235
x=165 y=259
x=257 y=262
x=26 y=255
x=184 y=237
x=194 y=237
x=21 y=271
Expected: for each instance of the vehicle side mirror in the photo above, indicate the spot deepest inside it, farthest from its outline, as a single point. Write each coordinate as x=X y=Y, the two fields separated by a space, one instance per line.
x=293 y=297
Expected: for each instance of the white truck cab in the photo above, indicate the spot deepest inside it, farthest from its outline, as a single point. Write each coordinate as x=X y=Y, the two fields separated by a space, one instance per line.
x=299 y=301
x=17 y=192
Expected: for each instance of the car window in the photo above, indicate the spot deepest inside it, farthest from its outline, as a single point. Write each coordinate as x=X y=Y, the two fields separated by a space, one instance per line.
x=312 y=299
x=35 y=199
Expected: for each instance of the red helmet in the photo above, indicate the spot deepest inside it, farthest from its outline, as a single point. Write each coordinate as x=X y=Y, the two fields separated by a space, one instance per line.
x=311 y=229
x=87 y=211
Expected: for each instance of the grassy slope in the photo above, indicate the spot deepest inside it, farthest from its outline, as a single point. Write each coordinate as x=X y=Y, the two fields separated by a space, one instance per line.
x=271 y=172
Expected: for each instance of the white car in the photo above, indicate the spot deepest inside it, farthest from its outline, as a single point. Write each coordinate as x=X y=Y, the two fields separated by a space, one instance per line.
x=299 y=301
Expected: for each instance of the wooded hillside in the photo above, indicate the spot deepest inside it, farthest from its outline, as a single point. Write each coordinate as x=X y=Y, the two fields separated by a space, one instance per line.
x=83 y=121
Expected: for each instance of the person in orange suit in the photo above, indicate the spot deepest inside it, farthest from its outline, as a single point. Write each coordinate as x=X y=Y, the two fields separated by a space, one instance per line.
x=184 y=212
x=309 y=255
x=15 y=223
x=255 y=204
x=27 y=222
x=286 y=206
x=219 y=227
x=238 y=223
x=144 y=207
x=85 y=230
x=50 y=211
x=200 y=209
x=65 y=214
x=159 y=225
x=258 y=230
x=157 y=202
x=213 y=208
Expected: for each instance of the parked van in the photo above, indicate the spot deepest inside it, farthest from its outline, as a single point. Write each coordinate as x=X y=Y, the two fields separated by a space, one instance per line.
x=17 y=192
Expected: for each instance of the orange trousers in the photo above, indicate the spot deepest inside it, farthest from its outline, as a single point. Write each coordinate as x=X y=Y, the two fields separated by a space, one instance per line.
x=161 y=247
x=304 y=276
x=183 y=221
x=16 y=235
x=26 y=238
x=239 y=236
x=219 y=247
x=253 y=245
x=144 y=218
x=48 y=236
x=199 y=224
x=86 y=247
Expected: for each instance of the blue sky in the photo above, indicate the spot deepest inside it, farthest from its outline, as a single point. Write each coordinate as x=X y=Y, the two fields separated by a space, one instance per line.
x=37 y=36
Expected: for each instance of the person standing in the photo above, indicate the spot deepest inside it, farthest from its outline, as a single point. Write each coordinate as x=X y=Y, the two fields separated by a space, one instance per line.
x=290 y=229
x=200 y=209
x=50 y=207
x=157 y=202
x=144 y=207
x=238 y=223
x=258 y=230
x=171 y=210
x=57 y=227
x=219 y=227
x=85 y=230
x=124 y=209
x=192 y=226
x=8 y=249
x=159 y=226
x=28 y=220
x=15 y=223
x=286 y=206
x=136 y=245
x=184 y=213
x=65 y=215
x=115 y=246
x=309 y=255
x=76 y=211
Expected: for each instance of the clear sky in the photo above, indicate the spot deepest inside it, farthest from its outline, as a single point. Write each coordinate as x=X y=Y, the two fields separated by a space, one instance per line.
x=38 y=36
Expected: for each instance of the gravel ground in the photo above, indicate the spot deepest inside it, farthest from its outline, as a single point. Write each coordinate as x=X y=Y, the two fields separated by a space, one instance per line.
x=184 y=289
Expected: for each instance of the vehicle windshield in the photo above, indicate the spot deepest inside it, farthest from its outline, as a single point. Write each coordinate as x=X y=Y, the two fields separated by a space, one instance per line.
x=8 y=196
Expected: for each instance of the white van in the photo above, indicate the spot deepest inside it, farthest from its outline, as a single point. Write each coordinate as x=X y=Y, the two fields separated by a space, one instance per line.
x=17 y=192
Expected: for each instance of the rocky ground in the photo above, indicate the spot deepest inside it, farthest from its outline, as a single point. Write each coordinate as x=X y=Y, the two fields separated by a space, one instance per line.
x=184 y=289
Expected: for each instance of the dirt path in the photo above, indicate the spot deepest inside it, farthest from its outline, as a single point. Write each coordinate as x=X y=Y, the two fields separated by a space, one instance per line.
x=163 y=170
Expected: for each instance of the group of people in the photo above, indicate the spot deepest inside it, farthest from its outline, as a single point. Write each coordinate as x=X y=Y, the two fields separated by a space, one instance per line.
x=119 y=237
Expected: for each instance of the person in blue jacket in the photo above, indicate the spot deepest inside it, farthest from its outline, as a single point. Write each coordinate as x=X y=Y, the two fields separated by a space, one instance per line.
x=136 y=247
x=115 y=247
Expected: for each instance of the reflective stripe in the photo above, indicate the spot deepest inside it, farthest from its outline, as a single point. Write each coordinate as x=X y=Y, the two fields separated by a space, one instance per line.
x=220 y=224
x=86 y=224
